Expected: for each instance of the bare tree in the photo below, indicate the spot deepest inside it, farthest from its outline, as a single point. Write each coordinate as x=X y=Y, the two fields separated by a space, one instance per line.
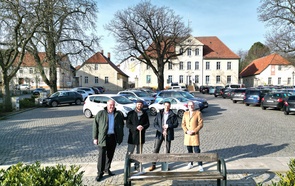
x=148 y=33
x=68 y=30
x=280 y=16
x=18 y=24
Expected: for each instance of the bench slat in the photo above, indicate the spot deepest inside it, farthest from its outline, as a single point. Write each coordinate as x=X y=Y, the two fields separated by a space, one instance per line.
x=192 y=175
x=145 y=158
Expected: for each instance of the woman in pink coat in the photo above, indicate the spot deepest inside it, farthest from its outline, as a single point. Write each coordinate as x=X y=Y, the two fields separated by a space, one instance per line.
x=192 y=122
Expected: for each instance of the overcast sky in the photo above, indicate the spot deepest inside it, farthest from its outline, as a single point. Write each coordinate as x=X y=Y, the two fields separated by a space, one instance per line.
x=234 y=22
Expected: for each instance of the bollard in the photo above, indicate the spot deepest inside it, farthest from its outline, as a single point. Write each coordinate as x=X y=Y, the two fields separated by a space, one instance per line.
x=17 y=103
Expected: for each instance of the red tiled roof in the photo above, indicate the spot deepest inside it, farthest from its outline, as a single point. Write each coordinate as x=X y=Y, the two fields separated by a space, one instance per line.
x=29 y=60
x=214 y=48
x=99 y=58
x=260 y=64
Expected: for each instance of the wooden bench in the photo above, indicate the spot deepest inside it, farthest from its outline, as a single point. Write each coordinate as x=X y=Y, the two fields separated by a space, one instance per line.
x=219 y=174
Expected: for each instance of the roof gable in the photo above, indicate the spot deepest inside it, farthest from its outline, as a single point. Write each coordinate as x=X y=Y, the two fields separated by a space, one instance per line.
x=260 y=64
x=215 y=48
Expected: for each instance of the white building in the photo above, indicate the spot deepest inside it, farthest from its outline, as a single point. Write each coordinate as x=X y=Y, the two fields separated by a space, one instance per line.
x=207 y=61
x=269 y=70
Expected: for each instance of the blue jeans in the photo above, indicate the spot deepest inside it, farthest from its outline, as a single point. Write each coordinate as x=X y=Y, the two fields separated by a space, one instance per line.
x=196 y=150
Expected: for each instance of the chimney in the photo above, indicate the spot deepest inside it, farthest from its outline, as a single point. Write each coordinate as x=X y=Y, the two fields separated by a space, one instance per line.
x=109 y=55
x=102 y=52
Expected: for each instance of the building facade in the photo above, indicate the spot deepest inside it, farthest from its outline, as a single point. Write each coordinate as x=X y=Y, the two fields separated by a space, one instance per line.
x=98 y=70
x=206 y=61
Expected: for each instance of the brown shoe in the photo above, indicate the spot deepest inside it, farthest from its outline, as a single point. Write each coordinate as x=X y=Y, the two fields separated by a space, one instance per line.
x=153 y=167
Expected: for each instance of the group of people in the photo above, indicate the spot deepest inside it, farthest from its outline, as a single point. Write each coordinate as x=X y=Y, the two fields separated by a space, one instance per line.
x=108 y=130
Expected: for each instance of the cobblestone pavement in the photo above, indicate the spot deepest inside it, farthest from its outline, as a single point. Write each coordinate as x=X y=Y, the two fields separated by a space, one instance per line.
x=64 y=135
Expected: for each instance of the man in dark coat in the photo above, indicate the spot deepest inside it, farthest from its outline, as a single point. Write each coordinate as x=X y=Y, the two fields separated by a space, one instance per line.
x=137 y=122
x=165 y=122
x=108 y=131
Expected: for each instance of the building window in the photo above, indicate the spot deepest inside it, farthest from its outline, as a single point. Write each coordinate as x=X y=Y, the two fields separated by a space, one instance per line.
x=289 y=81
x=218 y=65
x=207 y=80
x=96 y=67
x=181 y=65
x=189 y=65
x=96 y=80
x=189 y=51
x=196 y=78
x=197 y=52
x=147 y=66
x=148 y=78
x=207 y=65
x=181 y=51
x=86 y=79
x=106 y=80
x=181 y=79
x=31 y=71
x=228 y=79
x=217 y=79
x=279 y=81
x=169 y=79
x=229 y=65
x=169 y=65
x=21 y=71
x=197 y=65
x=269 y=81
x=280 y=67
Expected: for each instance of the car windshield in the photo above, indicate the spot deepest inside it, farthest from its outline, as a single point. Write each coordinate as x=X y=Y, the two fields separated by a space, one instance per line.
x=142 y=94
x=182 y=99
x=186 y=95
x=55 y=94
x=122 y=100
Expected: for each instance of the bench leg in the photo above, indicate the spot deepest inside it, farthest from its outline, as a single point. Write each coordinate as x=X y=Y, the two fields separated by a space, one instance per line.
x=218 y=182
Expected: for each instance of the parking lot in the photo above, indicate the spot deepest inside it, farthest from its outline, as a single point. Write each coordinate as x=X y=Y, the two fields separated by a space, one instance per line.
x=63 y=135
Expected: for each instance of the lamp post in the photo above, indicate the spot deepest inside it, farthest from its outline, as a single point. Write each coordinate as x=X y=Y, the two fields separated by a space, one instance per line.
x=63 y=80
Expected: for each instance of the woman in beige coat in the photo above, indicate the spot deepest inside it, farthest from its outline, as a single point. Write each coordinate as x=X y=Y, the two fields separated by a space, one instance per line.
x=192 y=122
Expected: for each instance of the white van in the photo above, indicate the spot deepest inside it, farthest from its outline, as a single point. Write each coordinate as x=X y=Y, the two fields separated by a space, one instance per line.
x=234 y=86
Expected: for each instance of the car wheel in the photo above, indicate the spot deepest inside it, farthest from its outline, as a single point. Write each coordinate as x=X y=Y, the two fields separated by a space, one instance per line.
x=234 y=101
x=54 y=104
x=78 y=102
x=215 y=95
x=286 y=112
x=180 y=113
x=87 y=113
x=247 y=104
x=153 y=111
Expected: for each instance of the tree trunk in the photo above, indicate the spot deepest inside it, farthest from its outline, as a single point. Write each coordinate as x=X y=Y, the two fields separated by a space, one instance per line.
x=7 y=103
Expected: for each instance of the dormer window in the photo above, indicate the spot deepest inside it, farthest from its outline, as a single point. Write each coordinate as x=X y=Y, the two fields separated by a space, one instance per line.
x=189 y=51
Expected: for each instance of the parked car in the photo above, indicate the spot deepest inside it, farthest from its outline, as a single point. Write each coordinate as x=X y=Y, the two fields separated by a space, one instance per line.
x=89 y=90
x=37 y=91
x=142 y=95
x=204 y=89
x=234 y=86
x=227 y=92
x=178 y=105
x=218 y=91
x=83 y=93
x=274 y=100
x=211 y=90
x=63 y=97
x=174 y=93
x=100 y=88
x=289 y=105
x=95 y=103
x=238 y=95
x=134 y=99
x=254 y=96
x=96 y=90
x=23 y=87
x=179 y=87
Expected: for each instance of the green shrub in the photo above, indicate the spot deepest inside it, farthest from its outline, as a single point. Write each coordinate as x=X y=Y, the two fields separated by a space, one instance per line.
x=35 y=175
x=286 y=179
x=27 y=103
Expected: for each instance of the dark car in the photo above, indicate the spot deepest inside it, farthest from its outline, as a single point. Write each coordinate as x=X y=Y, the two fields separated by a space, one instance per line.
x=37 y=91
x=134 y=99
x=238 y=95
x=178 y=93
x=289 y=105
x=96 y=90
x=101 y=89
x=218 y=91
x=227 y=93
x=204 y=89
x=274 y=100
x=254 y=96
x=63 y=97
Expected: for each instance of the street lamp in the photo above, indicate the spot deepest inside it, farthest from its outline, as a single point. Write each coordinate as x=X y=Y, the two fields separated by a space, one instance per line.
x=63 y=80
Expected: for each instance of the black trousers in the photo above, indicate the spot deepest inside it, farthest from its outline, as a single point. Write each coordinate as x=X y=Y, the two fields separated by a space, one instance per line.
x=157 y=146
x=106 y=154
